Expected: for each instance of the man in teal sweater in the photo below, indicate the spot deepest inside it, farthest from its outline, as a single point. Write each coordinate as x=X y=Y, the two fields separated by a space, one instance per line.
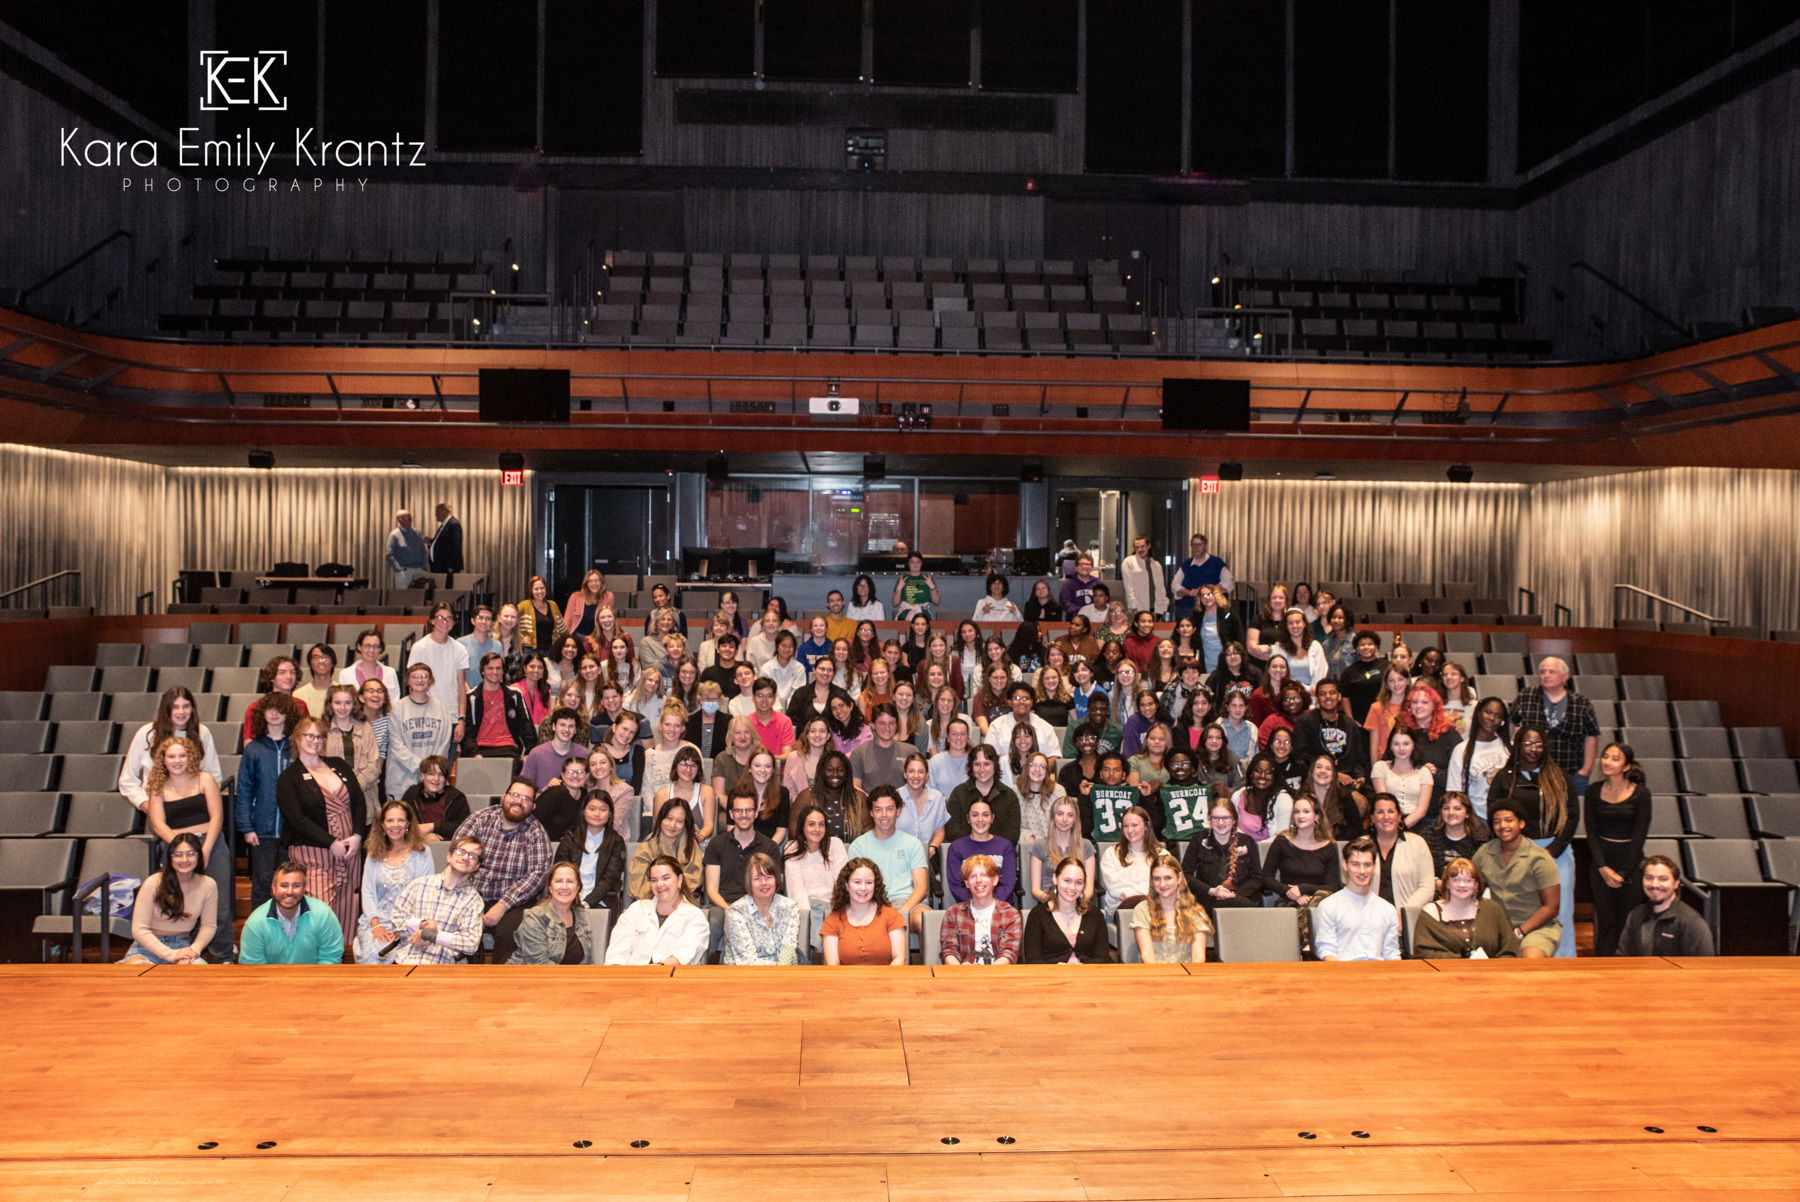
x=291 y=928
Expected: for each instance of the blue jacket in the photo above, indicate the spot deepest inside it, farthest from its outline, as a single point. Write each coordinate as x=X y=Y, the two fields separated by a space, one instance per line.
x=254 y=805
x=317 y=937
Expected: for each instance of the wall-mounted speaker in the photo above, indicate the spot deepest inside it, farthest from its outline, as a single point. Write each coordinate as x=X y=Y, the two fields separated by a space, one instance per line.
x=1222 y=406
x=515 y=394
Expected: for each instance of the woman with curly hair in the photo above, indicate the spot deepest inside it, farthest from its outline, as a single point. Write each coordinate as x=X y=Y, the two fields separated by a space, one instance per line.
x=862 y=928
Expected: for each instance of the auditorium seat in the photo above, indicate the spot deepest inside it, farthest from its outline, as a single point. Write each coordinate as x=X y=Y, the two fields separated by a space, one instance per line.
x=29 y=815
x=98 y=816
x=21 y=706
x=1659 y=777
x=1652 y=741
x=1665 y=817
x=1770 y=776
x=24 y=737
x=86 y=738
x=235 y=680
x=1703 y=742
x=1643 y=688
x=1758 y=742
x=1697 y=713
x=126 y=680
x=129 y=708
x=69 y=678
x=1776 y=816
x=168 y=655
x=117 y=655
x=1257 y=934
x=128 y=857
x=88 y=773
x=1722 y=817
x=77 y=707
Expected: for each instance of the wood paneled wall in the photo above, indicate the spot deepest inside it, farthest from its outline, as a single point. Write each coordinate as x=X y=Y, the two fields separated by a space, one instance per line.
x=1699 y=222
x=900 y=223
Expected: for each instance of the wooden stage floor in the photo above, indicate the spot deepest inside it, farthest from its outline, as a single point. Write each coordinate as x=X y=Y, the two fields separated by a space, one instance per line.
x=1507 y=1080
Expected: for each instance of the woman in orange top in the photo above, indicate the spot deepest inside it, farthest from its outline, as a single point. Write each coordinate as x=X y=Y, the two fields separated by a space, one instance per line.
x=862 y=927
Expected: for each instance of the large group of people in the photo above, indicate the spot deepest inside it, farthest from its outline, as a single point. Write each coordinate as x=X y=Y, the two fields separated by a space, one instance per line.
x=792 y=787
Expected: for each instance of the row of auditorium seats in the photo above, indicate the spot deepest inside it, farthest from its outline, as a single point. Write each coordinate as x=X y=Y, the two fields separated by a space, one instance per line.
x=868 y=303
x=307 y=294
x=1125 y=334
x=704 y=265
x=1360 y=313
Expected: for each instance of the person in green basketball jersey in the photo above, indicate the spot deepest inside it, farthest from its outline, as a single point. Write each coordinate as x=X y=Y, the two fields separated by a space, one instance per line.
x=1111 y=797
x=916 y=591
x=1183 y=799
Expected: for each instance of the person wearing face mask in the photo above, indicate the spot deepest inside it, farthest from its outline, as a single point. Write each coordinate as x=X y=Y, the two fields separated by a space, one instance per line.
x=1461 y=924
x=556 y=930
x=707 y=726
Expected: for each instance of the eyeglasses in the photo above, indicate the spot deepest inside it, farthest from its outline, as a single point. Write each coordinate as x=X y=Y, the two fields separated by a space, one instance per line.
x=312 y=737
x=466 y=853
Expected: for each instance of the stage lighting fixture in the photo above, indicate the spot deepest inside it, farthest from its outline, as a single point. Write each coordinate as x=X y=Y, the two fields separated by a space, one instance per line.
x=1460 y=473
x=262 y=459
x=1231 y=469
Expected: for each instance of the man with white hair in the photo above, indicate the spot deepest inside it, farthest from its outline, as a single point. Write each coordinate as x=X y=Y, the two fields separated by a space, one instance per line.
x=406 y=556
x=1568 y=719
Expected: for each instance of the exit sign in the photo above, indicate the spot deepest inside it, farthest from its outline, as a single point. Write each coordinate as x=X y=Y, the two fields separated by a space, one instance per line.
x=512 y=475
x=1209 y=485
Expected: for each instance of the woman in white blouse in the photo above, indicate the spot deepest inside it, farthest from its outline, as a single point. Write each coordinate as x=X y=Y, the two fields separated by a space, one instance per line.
x=664 y=928
x=1482 y=754
x=812 y=861
x=1125 y=866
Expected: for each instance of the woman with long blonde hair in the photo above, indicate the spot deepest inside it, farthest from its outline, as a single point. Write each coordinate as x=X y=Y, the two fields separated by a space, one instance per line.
x=1170 y=926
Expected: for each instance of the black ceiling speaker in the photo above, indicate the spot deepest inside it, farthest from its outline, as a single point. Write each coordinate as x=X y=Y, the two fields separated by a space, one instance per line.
x=1231 y=469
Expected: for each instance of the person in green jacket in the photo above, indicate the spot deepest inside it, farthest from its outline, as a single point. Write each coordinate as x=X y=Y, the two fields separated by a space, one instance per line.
x=291 y=928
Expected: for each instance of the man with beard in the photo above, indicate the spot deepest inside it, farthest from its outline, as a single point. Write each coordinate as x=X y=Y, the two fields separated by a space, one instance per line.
x=1664 y=925
x=515 y=863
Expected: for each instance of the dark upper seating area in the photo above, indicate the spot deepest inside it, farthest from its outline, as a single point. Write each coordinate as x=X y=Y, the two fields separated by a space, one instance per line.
x=868 y=302
x=1357 y=314
x=261 y=295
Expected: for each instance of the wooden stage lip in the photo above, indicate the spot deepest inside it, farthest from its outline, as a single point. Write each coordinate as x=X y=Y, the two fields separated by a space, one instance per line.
x=1612 y=1078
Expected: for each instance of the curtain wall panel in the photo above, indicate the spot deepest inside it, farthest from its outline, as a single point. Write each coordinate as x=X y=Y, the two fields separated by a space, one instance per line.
x=106 y=517
x=1313 y=530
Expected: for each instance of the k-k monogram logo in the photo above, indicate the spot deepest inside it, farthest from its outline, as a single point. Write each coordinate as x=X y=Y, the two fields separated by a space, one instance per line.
x=241 y=81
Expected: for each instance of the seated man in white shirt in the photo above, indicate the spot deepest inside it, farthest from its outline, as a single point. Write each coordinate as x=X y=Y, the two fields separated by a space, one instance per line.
x=1000 y=730
x=1355 y=923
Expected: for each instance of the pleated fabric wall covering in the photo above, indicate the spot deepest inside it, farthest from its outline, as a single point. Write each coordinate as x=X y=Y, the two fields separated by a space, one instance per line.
x=1336 y=530
x=242 y=518
x=104 y=517
x=1721 y=540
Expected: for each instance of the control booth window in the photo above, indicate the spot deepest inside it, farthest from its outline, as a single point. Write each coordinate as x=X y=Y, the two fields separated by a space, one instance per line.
x=832 y=523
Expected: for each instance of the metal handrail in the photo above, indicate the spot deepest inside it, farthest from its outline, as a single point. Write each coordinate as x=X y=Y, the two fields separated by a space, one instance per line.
x=145 y=602
x=1658 y=597
x=41 y=582
x=78 y=260
x=1530 y=596
x=1562 y=615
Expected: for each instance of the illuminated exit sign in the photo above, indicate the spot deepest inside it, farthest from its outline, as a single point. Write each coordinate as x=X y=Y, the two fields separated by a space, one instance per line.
x=515 y=475
x=1209 y=485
